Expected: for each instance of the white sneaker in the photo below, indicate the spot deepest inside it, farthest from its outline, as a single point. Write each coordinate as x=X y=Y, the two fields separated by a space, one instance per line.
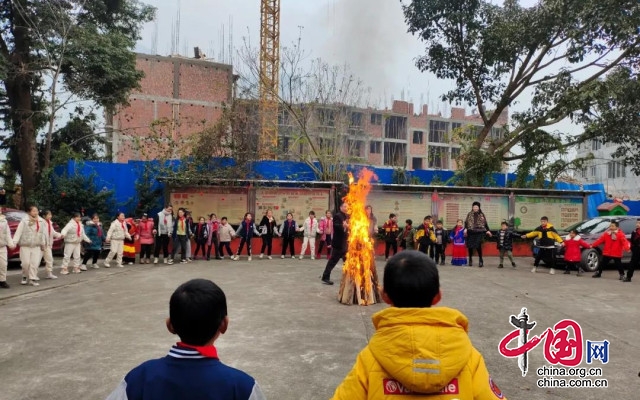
x=155 y=260
x=64 y=271
x=95 y=266
x=552 y=271
x=282 y=257
x=235 y=258
x=106 y=264
x=313 y=257
x=33 y=283
x=292 y=257
x=120 y=266
x=83 y=268
x=534 y=269
x=166 y=261
x=130 y=263
x=301 y=257
x=249 y=259
x=51 y=276
x=261 y=255
x=24 y=280
x=269 y=257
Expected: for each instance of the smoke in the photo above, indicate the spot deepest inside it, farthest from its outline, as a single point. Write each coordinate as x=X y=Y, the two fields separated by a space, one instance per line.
x=371 y=37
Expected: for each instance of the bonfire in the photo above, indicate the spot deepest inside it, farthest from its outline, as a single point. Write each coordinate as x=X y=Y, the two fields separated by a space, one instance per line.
x=359 y=276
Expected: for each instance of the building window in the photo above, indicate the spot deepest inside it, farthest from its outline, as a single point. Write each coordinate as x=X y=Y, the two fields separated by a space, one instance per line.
x=455 y=125
x=376 y=119
x=438 y=131
x=395 y=128
x=583 y=172
x=596 y=144
x=375 y=147
x=395 y=154
x=438 y=157
x=356 y=120
x=497 y=133
x=416 y=163
x=284 y=144
x=455 y=153
x=616 y=169
x=355 y=148
x=418 y=137
x=594 y=170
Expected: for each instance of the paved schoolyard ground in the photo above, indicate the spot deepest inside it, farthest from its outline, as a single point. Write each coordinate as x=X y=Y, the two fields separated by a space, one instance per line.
x=74 y=338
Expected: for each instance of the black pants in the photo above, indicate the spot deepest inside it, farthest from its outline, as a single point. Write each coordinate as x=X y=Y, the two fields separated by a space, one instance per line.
x=162 y=241
x=242 y=243
x=336 y=255
x=180 y=244
x=427 y=248
x=480 y=260
x=545 y=254
x=199 y=246
x=439 y=253
x=326 y=241
x=288 y=242
x=145 y=251
x=388 y=245
x=214 y=245
x=617 y=261
x=95 y=254
x=267 y=243
x=225 y=245
x=569 y=265
x=635 y=260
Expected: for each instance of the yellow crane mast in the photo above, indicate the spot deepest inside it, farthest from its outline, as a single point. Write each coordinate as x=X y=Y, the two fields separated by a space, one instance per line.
x=269 y=76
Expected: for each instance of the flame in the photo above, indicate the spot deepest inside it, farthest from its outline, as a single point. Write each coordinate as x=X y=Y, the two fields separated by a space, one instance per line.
x=360 y=254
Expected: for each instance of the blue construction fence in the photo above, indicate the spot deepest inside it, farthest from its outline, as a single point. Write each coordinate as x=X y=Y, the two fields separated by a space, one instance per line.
x=121 y=178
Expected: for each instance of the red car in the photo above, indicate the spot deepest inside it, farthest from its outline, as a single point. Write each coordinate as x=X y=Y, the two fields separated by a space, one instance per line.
x=13 y=218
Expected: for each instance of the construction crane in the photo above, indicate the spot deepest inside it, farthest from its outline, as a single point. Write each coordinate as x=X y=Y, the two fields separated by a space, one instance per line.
x=269 y=77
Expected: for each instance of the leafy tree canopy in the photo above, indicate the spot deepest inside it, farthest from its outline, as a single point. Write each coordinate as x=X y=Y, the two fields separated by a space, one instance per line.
x=556 y=50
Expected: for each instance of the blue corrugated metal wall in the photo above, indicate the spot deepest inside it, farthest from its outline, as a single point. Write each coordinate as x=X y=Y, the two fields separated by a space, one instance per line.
x=121 y=178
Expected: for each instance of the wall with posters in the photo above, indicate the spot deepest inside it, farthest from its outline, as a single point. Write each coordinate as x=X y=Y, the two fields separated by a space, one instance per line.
x=562 y=212
x=224 y=202
x=452 y=207
x=287 y=200
x=413 y=205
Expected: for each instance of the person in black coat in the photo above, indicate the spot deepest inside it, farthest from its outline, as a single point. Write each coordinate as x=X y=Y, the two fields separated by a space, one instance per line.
x=505 y=243
x=338 y=242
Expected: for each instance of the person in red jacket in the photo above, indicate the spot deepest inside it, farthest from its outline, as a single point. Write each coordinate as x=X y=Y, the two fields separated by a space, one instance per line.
x=615 y=242
x=572 y=252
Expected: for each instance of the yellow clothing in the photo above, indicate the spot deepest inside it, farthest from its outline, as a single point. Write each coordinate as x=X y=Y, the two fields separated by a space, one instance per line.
x=548 y=233
x=422 y=351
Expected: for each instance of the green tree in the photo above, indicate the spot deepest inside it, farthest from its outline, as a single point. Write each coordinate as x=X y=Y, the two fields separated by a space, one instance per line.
x=557 y=50
x=616 y=118
x=79 y=47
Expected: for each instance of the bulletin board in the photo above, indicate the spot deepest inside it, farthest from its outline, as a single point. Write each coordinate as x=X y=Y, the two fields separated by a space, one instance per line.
x=562 y=212
x=224 y=202
x=296 y=201
x=405 y=205
x=452 y=207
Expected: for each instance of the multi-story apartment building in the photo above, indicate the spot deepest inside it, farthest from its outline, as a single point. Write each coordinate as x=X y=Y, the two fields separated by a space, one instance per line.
x=618 y=179
x=397 y=138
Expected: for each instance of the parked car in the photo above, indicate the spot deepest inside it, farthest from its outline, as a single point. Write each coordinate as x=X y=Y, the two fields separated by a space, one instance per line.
x=590 y=230
x=13 y=218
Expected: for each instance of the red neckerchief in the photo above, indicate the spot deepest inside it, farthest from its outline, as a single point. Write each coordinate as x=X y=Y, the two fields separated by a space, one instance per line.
x=182 y=223
x=49 y=225
x=311 y=227
x=165 y=219
x=99 y=231
x=207 y=351
x=77 y=230
x=124 y=228
x=37 y=225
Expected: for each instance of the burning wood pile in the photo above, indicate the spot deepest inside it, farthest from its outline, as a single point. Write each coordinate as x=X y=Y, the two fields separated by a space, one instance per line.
x=359 y=276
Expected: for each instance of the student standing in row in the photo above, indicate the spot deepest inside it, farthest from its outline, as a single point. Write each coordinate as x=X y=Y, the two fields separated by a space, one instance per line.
x=116 y=235
x=145 y=233
x=5 y=241
x=180 y=235
x=425 y=237
x=246 y=230
x=309 y=231
x=440 y=245
x=390 y=229
x=201 y=238
x=407 y=236
x=573 y=253
x=267 y=230
x=74 y=235
x=163 y=229
x=615 y=243
x=225 y=235
x=212 y=242
x=288 y=231
x=50 y=236
x=95 y=233
x=505 y=243
x=547 y=237
x=325 y=229
x=30 y=236
x=459 y=251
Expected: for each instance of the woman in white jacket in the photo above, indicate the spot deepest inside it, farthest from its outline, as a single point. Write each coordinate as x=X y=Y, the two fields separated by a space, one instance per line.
x=73 y=234
x=5 y=241
x=117 y=233
x=309 y=229
x=30 y=237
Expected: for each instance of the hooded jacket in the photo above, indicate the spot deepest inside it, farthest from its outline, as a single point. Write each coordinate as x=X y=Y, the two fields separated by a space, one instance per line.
x=145 y=231
x=73 y=232
x=96 y=234
x=422 y=351
x=613 y=247
x=572 y=251
x=118 y=231
x=30 y=233
x=310 y=227
x=547 y=235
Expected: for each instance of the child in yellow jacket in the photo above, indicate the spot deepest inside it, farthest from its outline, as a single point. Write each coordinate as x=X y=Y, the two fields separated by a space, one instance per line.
x=417 y=349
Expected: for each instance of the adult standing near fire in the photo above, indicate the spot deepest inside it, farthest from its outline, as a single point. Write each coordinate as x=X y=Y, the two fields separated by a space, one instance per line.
x=339 y=245
x=476 y=227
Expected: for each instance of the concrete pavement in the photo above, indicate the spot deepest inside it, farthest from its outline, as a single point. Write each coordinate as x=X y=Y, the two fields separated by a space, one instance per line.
x=75 y=337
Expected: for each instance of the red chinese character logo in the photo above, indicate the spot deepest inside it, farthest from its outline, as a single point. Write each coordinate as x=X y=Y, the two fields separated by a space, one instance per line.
x=560 y=347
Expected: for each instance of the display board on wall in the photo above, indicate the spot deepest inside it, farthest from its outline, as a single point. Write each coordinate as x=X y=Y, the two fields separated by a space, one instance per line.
x=452 y=207
x=296 y=201
x=224 y=202
x=414 y=206
x=562 y=212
